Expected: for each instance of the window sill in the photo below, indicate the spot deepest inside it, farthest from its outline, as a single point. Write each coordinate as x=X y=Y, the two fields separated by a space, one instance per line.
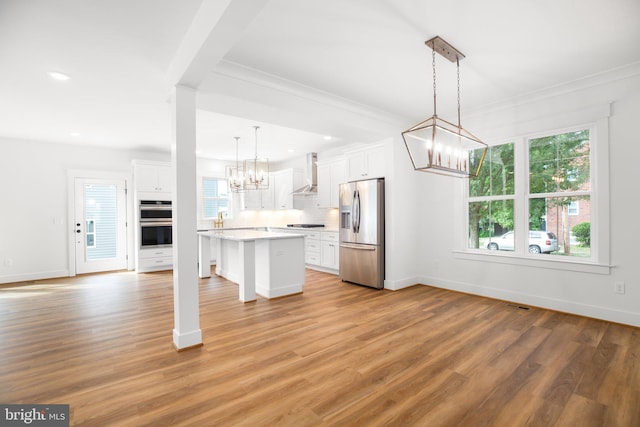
x=531 y=261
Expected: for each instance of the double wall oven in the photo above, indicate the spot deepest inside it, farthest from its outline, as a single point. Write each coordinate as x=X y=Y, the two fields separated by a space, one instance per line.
x=155 y=224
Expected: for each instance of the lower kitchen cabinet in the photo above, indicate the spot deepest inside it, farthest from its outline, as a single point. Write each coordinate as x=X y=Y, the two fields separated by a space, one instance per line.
x=155 y=259
x=322 y=251
x=329 y=254
x=312 y=248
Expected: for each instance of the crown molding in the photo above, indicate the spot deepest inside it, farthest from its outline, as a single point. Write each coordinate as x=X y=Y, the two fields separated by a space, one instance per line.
x=232 y=70
x=611 y=76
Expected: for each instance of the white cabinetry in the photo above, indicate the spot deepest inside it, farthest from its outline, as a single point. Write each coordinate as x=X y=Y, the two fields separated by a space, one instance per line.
x=259 y=199
x=251 y=200
x=330 y=175
x=322 y=251
x=365 y=163
x=329 y=250
x=285 y=181
x=153 y=177
x=153 y=181
x=267 y=197
x=312 y=247
x=154 y=259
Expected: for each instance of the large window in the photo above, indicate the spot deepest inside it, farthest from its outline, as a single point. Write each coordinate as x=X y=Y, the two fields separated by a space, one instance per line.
x=491 y=198
x=559 y=177
x=215 y=197
x=534 y=197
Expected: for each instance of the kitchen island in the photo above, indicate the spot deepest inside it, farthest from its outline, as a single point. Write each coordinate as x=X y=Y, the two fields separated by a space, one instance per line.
x=266 y=263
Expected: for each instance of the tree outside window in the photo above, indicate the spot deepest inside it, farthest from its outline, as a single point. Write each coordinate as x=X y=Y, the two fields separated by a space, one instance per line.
x=491 y=196
x=558 y=180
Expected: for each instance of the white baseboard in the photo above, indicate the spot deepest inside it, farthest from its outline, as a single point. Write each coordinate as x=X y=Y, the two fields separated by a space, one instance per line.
x=26 y=277
x=224 y=273
x=322 y=269
x=187 y=339
x=278 y=292
x=598 y=312
x=396 y=285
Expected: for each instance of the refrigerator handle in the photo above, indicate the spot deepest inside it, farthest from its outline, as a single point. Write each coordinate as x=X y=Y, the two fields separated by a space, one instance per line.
x=353 y=212
x=358 y=247
x=358 y=211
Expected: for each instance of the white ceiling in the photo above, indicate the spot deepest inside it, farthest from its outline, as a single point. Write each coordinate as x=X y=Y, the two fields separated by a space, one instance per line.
x=352 y=69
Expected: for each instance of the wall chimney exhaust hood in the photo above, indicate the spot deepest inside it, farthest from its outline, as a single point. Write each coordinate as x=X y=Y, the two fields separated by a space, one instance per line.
x=311 y=189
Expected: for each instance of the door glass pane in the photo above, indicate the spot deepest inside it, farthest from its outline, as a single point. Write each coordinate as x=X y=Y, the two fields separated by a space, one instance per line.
x=101 y=219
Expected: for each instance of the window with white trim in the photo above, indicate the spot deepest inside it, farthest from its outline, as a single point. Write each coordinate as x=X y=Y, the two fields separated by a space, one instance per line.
x=574 y=208
x=215 y=197
x=533 y=196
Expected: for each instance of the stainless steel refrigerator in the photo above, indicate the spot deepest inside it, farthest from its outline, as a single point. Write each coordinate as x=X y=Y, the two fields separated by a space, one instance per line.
x=362 y=232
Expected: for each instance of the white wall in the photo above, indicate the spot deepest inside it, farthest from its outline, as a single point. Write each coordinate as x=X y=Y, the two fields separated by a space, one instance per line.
x=33 y=220
x=590 y=294
x=423 y=211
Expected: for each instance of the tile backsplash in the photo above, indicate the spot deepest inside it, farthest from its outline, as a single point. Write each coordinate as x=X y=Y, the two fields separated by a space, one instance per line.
x=310 y=214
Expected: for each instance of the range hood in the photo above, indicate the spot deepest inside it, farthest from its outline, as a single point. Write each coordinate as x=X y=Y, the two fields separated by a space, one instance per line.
x=311 y=189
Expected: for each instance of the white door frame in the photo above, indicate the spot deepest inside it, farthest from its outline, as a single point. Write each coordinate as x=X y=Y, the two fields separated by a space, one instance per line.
x=72 y=174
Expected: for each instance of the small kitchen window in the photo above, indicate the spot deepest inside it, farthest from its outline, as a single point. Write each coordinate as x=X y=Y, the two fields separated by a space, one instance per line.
x=215 y=197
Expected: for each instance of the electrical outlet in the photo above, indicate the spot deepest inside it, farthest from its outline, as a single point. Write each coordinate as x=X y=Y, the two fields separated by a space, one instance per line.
x=619 y=287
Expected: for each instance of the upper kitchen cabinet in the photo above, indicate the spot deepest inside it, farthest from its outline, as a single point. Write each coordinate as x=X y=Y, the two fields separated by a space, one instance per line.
x=365 y=163
x=284 y=182
x=153 y=177
x=330 y=175
x=259 y=199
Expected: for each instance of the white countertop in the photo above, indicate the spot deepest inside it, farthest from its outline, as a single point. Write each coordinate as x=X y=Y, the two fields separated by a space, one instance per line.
x=247 y=235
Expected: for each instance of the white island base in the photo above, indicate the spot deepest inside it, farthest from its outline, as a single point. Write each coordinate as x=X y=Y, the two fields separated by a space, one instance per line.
x=264 y=263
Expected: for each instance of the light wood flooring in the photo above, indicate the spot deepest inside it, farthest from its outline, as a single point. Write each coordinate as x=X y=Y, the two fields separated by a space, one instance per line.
x=336 y=355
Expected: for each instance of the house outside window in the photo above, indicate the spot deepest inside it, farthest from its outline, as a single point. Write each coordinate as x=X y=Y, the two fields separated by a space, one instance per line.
x=215 y=197
x=532 y=195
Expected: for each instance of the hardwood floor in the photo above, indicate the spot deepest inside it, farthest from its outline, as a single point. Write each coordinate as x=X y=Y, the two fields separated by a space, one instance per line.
x=336 y=355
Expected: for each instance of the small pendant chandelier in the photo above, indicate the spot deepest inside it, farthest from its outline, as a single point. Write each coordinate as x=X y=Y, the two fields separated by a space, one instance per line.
x=438 y=146
x=256 y=171
x=235 y=176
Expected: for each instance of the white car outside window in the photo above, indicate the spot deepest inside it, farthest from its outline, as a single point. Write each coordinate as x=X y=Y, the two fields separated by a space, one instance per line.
x=539 y=242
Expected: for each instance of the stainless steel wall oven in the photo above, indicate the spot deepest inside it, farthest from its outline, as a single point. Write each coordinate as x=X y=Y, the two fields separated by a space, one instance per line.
x=155 y=223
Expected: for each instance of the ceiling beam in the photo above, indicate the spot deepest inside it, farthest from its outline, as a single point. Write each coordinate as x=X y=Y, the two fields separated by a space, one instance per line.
x=215 y=29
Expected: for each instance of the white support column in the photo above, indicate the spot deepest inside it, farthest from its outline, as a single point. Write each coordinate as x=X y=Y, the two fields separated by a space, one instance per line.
x=204 y=256
x=247 y=282
x=186 y=332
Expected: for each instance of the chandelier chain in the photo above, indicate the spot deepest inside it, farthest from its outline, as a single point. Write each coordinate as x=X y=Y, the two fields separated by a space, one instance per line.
x=433 y=65
x=237 y=138
x=256 y=143
x=458 y=70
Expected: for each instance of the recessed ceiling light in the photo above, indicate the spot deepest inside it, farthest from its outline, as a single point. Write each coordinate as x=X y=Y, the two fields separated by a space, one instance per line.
x=59 y=76
x=327 y=138
x=75 y=134
x=291 y=150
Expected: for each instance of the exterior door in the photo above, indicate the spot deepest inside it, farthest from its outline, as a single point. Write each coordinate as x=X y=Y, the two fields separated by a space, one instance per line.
x=100 y=225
